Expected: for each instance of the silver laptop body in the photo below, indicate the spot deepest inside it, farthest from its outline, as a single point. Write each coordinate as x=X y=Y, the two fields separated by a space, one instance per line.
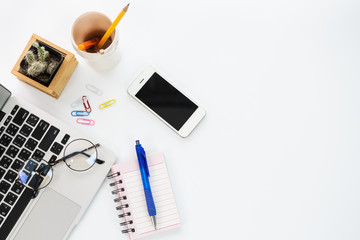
x=54 y=212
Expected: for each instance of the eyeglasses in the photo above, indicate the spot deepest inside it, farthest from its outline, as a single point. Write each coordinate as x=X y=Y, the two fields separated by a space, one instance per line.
x=79 y=155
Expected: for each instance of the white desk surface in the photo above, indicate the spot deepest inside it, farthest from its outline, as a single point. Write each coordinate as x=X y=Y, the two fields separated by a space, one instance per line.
x=276 y=157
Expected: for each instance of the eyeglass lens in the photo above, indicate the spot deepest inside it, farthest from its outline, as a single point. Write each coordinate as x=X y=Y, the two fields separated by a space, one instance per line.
x=35 y=173
x=81 y=153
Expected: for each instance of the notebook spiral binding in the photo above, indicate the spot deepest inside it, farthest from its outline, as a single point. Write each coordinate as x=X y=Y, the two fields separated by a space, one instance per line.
x=118 y=199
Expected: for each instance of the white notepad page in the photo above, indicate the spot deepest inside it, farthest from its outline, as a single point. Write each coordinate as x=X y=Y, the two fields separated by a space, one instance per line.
x=167 y=216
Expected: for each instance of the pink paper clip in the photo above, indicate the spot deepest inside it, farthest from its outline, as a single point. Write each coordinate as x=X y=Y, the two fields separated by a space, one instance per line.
x=86 y=104
x=85 y=121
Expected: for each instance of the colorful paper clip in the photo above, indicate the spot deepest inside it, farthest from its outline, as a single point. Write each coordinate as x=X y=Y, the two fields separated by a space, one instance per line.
x=107 y=104
x=79 y=113
x=94 y=89
x=77 y=103
x=86 y=104
x=85 y=121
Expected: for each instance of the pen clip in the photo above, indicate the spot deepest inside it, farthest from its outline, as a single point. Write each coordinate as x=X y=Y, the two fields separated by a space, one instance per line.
x=140 y=152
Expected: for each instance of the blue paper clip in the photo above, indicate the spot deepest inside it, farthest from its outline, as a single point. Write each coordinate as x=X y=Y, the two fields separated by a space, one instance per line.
x=79 y=113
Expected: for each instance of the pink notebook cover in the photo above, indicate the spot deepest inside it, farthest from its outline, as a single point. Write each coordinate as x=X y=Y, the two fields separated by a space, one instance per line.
x=138 y=223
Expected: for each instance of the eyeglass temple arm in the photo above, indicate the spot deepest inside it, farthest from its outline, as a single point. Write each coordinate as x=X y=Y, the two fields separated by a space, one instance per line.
x=99 y=161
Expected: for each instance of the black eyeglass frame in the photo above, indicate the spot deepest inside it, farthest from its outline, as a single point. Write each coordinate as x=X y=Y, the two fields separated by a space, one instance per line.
x=63 y=159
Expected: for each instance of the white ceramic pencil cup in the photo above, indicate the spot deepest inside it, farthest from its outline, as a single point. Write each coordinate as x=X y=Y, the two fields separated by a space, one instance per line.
x=91 y=25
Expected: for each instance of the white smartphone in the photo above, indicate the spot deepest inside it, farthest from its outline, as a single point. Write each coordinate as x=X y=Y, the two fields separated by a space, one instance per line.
x=161 y=98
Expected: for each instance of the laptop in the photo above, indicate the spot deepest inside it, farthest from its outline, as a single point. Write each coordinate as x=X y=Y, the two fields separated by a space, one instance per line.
x=26 y=131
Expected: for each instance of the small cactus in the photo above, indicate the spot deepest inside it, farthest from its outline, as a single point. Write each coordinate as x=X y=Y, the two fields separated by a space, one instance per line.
x=30 y=57
x=36 y=44
x=37 y=64
x=37 y=68
x=42 y=54
x=52 y=67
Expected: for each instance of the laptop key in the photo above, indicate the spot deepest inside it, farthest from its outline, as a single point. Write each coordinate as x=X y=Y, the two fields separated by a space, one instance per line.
x=32 y=120
x=5 y=162
x=31 y=144
x=31 y=166
x=40 y=130
x=58 y=149
x=17 y=187
x=4 y=209
x=12 y=129
x=17 y=165
x=54 y=146
x=2 y=130
x=2 y=115
x=49 y=138
x=24 y=154
x=12 y=151
x=4 y=186
x=52 y=159
x=1 y=197
x=10 y=176
x=36 y=181
x=38 y=154
x=1 y=220
x=5 y=140
x=65 y=139
x=2 y=172
x=2 y=150
x=19 y=141
x=14 y=110
x=20 y=116
x=26 y=130
x=7 y=121
x=10 y=198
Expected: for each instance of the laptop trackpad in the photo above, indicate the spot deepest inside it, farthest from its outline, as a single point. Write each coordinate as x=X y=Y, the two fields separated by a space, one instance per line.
x=50 y=218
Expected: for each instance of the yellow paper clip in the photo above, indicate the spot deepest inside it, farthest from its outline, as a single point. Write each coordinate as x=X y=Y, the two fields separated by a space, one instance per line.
x=107 y=104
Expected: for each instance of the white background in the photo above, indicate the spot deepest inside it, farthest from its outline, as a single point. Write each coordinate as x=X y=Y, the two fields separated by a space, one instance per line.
x=276 y=157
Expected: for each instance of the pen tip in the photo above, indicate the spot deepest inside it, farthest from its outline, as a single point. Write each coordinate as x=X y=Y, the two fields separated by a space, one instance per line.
x=137 y=142
x=153 y=220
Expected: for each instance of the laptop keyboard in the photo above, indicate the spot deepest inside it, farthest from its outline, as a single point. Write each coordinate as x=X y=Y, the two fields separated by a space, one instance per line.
x=22 y=135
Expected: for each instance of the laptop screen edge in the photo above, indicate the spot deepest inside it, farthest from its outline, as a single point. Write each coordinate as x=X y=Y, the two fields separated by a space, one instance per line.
x=5 y=94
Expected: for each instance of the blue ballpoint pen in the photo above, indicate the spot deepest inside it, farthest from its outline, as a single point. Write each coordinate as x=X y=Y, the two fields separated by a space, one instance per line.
x=144 y=171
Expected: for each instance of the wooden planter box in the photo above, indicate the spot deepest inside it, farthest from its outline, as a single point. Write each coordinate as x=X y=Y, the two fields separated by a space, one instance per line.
x=62 y=75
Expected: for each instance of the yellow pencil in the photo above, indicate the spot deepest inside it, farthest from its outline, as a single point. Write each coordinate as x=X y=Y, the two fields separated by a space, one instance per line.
x=112 y=27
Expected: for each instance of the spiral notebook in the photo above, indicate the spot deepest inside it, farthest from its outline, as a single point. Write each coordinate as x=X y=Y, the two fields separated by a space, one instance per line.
x=127 y=185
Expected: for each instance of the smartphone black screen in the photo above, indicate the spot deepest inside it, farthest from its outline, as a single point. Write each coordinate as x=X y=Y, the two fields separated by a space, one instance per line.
x=170 y=104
